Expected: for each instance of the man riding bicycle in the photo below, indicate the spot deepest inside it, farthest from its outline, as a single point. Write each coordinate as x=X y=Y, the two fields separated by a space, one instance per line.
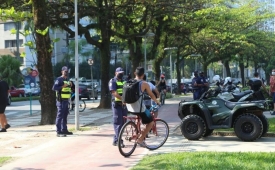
x=162 y=84
x=138 y=107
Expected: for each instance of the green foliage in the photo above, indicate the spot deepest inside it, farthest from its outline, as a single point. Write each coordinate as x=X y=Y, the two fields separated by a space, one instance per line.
x=18 y=99
x=9 y=70
x=4 y=159
x=208 y=160
x=168 y=96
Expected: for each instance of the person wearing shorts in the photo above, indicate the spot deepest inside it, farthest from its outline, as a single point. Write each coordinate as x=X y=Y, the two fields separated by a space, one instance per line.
x=4 y=93
x=138 y=107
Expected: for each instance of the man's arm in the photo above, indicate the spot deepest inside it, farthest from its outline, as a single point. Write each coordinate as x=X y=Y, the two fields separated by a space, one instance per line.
x=116 y=95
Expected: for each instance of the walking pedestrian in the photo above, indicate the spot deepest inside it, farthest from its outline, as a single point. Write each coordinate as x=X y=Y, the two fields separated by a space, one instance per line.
x=63 y=94
x=119 y=109
x=4 y=94
x=272 y=89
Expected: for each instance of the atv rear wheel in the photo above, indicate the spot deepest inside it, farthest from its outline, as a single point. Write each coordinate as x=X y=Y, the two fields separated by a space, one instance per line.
x=265 y=124
x=248 y=127
x=192 y=127
x=208 y=132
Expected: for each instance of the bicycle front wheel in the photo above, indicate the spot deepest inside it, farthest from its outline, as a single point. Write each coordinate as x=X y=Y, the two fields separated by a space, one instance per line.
x=81 y=105
x=127 y=139
x=158 y=135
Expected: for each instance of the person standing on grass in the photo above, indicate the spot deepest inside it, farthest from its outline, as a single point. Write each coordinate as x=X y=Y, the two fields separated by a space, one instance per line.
x=4 y=94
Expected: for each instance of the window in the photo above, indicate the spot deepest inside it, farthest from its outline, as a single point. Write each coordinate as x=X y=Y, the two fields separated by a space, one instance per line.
x=10 y=25
x=12 y=43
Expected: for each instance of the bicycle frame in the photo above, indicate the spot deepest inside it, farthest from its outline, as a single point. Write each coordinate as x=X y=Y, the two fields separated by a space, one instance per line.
x=137 y=120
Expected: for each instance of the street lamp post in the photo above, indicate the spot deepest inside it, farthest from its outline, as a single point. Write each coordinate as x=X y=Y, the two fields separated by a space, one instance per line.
x=170 y=49
x=91 y=62
x=76 y=68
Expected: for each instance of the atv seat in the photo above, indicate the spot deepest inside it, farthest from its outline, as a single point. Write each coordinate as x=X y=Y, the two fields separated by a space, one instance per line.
x=231 y=105
x=241 y=94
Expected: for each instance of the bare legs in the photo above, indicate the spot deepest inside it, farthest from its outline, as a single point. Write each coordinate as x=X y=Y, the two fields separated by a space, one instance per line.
x=3 y=120
x=148 y=127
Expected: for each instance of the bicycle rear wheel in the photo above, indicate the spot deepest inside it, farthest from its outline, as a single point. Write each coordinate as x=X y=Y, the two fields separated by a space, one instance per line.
x=127 y=139
x=81 y=105
x=158 y=135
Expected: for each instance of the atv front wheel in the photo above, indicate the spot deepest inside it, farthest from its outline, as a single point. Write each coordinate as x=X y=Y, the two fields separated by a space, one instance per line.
x=208 y=132
x=265 y=124
x=248 y=127
x=192 y=127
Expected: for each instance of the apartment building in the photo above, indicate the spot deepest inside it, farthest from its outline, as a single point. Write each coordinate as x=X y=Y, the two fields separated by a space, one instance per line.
x=8 y=42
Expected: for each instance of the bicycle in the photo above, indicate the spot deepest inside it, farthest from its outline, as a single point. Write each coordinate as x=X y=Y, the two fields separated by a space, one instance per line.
x=81 y=104
x=130 y=132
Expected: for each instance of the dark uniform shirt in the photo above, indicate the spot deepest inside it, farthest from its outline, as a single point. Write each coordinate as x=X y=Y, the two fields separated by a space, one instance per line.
x=198 y=81
x=113 y=86
x=58 y=84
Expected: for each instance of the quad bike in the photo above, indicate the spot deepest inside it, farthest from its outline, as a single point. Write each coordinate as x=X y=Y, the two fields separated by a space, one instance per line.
x=200 y=117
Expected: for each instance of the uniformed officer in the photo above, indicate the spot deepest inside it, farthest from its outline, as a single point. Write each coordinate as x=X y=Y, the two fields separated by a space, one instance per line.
x=63 y=94
x=205 y=86
x=196 y=86
x=119 y=110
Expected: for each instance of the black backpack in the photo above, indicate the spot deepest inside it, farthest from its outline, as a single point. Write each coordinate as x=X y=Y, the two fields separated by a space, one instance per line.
x=131 y=91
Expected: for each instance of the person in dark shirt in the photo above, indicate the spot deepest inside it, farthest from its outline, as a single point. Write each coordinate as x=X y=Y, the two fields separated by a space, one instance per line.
x=196 y=86
x=162 y=84
x=4 y=92
x=62 y=88
x=205 y=86
x=119 y=109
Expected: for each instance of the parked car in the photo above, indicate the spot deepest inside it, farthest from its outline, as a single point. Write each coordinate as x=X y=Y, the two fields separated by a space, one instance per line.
x=16 y=92
x=87 y=92
x=35 y=91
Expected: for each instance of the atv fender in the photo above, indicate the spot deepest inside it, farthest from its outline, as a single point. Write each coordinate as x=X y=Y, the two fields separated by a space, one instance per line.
x=197 y=108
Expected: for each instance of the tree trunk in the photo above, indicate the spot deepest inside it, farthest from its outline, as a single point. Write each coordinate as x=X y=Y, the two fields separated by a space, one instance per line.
x=105 y=101
x=241 y=64
x=44 y=64
x=157 y=68
x=135 y=53
x=227 y=68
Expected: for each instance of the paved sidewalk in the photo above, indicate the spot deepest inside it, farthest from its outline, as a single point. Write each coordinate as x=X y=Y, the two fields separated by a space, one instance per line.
x=93 y=149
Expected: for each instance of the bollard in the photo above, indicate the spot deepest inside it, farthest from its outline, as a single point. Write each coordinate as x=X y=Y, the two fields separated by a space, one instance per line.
x=30 y=103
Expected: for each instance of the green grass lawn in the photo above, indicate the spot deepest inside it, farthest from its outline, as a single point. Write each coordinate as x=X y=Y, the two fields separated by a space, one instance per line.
x=271 y=127
x=17 y=99
x=4 y=159
x=208 y=160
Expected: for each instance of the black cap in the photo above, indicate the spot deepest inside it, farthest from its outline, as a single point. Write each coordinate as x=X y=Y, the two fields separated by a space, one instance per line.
x=195 y=72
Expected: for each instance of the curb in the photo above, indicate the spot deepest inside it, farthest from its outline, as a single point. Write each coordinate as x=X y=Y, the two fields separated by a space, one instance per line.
x=222 y=133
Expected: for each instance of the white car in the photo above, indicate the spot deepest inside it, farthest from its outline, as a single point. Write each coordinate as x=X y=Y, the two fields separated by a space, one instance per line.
x=34 y=91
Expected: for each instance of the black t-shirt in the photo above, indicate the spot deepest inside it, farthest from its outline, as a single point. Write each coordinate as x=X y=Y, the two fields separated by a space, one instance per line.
x=4 y=87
